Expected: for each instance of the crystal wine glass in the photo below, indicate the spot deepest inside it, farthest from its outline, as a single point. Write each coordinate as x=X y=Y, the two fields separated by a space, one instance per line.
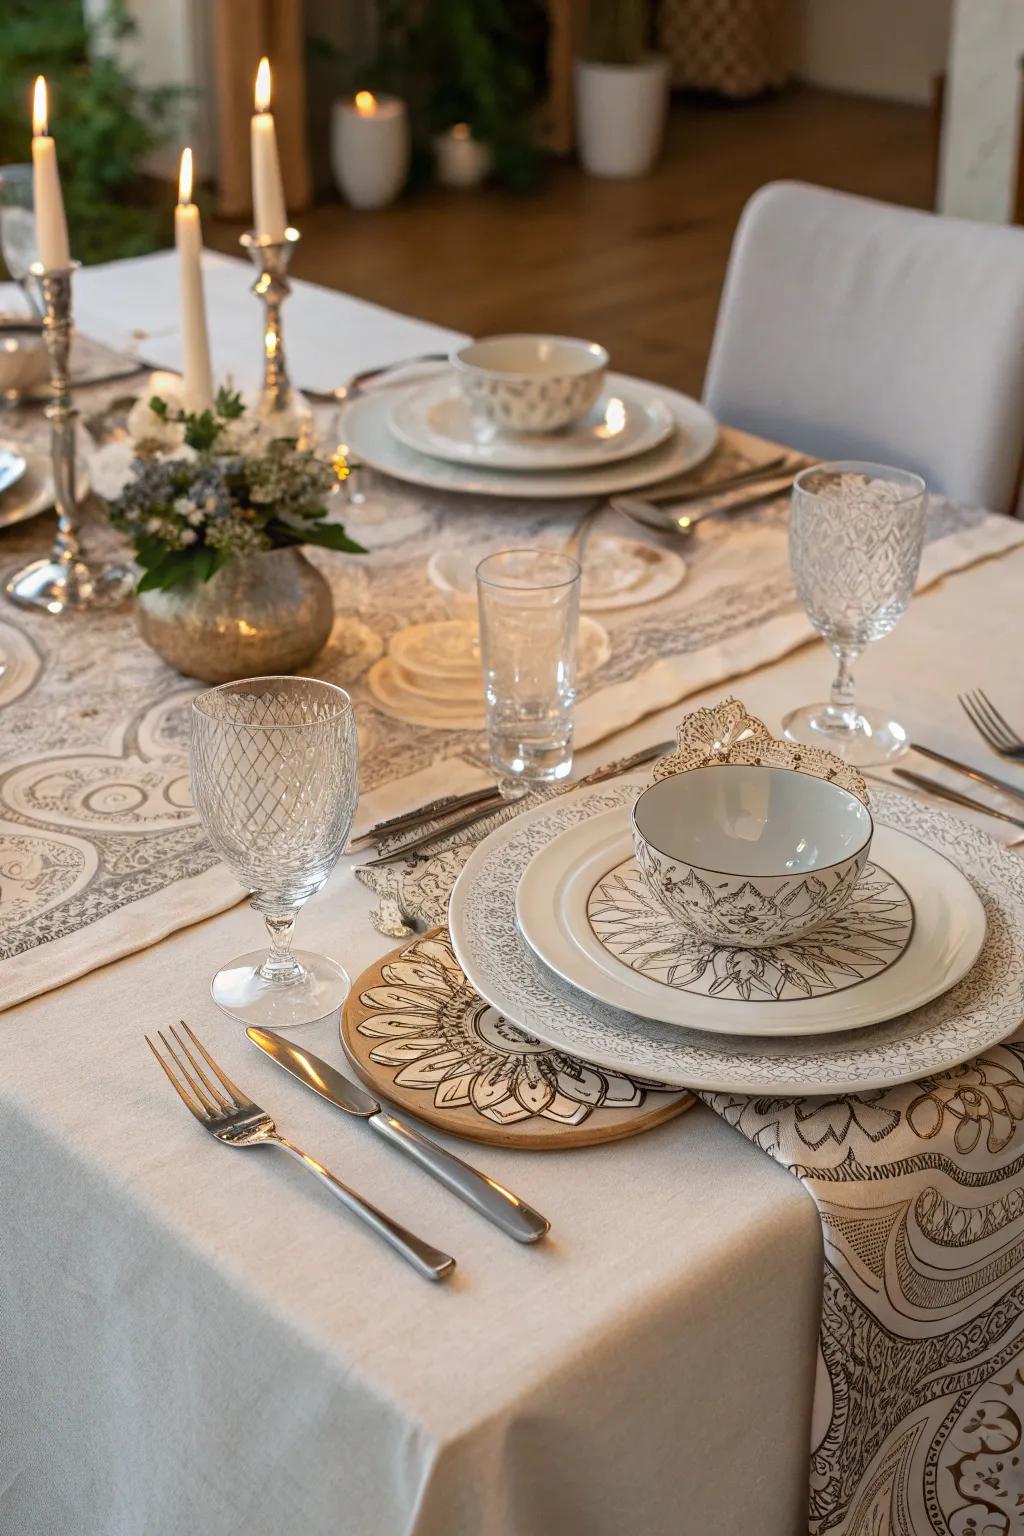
x=18 y=229
x=275 y=779
x=855 y=537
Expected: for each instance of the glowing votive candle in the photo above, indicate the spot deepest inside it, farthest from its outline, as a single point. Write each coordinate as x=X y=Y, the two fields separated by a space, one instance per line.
x=370 y=149
x=459 y=159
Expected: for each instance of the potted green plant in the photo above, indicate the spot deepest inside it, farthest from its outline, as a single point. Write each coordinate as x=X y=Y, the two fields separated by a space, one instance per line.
x=621 y=91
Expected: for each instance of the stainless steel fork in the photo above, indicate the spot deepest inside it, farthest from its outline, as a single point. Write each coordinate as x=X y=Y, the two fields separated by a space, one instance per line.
x=230 y=1115
x=990 y=725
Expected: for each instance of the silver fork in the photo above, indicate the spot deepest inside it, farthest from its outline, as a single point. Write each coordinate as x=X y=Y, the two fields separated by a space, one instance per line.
x=235 y=1120
x=990 y=725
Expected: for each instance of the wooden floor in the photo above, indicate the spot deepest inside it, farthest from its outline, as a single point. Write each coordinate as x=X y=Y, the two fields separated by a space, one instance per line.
x=636 y=265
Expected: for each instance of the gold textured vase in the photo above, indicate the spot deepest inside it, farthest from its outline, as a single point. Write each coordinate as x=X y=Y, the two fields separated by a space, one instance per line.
x=260 y=614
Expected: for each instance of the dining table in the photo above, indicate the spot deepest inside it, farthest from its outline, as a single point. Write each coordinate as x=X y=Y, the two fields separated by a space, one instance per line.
x=194 y=1340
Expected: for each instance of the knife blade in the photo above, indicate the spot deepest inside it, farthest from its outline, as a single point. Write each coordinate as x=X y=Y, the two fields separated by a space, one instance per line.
x=433 y=811
x=1003 y=785
x=484 y=1194
x=944 y=792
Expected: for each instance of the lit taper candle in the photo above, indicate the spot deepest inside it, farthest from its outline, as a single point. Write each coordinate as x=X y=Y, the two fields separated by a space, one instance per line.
x=51 y=226
x=188 y=237
x=269 y=217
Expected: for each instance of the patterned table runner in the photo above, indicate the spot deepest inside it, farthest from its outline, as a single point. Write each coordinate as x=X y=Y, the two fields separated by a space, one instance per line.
x=100 y=850
x=919 y=1396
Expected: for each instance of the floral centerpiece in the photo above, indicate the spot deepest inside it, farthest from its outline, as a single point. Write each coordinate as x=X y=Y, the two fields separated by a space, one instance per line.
x=218 y=504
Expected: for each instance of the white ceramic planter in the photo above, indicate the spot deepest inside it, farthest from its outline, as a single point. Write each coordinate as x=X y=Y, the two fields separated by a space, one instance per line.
x=620 y=115
x=370 y=151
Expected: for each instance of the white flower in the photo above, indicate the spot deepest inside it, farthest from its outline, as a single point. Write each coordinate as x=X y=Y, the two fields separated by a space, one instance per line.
x=151 y=432
x=186 y=536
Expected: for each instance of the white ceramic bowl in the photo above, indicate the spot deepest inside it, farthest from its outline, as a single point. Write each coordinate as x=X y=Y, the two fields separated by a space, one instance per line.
x=24 y=362
x=750 y=856
x=530 y=383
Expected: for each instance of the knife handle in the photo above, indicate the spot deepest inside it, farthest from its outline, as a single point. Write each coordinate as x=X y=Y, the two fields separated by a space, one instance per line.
x=491 y=1199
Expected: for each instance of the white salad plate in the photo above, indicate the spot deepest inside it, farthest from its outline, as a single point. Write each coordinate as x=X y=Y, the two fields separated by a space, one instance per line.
x=436 y=418
x=912 y=930
x=367 y=433
x=982 y=1010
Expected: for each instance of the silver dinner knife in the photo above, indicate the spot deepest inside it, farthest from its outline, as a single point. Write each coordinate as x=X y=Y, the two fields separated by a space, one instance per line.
x=485 y=1195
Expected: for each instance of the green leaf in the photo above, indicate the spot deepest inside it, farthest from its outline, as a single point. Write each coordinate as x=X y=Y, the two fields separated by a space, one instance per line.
x=325 y=535
x=230 y=404
x=158 y=407
x=201 y=431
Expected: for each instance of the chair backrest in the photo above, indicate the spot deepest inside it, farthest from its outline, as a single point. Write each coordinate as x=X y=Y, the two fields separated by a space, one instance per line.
x=854 y=329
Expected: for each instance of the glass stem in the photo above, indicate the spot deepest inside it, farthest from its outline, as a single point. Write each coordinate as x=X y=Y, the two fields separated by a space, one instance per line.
x=280 y=964
x=842 y=705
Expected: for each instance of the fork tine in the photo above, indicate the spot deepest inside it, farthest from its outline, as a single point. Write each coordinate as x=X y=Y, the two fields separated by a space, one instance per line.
x=185 y=1097
x=967 y=704
x=240 y=1098
x=226 y=1104
x=995 y=735
x=207 y=1103
x=1007 y=727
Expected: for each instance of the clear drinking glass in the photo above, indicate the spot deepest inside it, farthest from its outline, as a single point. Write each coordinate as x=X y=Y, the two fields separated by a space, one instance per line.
x=529 y=605
x=18 y=229
x=855 y=537
x=275 y=779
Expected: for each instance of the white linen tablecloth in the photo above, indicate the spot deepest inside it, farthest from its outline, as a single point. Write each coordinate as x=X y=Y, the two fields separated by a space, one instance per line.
x=193 y=1340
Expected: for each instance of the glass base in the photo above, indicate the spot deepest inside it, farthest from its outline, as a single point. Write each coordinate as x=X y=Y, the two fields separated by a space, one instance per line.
x=864 y=738
x=528 y=762
x=61 y=586
x=239 y=989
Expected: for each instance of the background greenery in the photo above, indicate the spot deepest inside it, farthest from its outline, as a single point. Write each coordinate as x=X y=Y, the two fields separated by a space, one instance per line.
x=105 y=124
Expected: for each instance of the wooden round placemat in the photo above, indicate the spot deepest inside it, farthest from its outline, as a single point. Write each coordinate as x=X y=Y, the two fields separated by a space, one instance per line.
x=418 y=1035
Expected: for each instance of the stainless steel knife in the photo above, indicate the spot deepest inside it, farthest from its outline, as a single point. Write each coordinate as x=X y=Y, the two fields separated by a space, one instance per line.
x=485 y=1195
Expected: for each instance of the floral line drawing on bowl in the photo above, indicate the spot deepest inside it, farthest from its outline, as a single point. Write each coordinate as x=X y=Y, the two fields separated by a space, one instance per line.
x=863 y=940
x=727 y=733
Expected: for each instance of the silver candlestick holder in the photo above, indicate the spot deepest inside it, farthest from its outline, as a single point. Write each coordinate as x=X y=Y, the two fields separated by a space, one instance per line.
x=271 y=259
x=66 y=579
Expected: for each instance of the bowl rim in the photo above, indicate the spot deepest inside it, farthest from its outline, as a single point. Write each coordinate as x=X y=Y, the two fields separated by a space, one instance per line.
x=598 y=356
x=739 y=874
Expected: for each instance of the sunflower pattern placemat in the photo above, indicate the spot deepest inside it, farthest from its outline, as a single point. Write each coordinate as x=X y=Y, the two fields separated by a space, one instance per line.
x=419 y=1035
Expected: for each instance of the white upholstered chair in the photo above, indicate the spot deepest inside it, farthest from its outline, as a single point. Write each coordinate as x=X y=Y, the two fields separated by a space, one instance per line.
x=850 y=328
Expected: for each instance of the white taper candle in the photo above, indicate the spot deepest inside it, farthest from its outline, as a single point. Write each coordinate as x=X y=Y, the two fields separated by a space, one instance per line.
x=52 y=246
x=269 y=217
x=188 y=237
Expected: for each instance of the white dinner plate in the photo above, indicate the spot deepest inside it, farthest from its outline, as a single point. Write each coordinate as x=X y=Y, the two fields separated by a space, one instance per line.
x=12 y=467
x=435 y=418
x=33 y=492
x=366 y=431
x=913 y=929
x=978 y=1013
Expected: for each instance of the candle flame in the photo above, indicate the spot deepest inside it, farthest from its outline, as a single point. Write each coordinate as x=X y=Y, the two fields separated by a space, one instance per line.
x=366 y=103
x=39 y=107
x=460 y=131
x=262 y=92
x=185 y=177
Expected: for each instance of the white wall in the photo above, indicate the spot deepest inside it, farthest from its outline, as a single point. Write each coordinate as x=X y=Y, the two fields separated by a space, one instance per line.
x=982 y=116
x=890 y=48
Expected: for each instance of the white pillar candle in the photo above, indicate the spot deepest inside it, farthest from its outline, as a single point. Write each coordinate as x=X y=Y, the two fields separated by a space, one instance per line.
x=269 y=218
x=370 y=149
x=51 y=226
x=459 y=159
x=188 y=237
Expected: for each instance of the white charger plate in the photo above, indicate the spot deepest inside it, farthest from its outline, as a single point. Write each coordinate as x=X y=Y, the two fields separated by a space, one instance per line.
x=436 y=418
x=979 y=1012
x=33 y=491
x=366 y=432
x=584 y=910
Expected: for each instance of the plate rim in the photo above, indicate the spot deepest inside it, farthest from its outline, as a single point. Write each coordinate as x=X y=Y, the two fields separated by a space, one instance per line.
x=795 y=1030
x=476 y=455
x=740 y=1077
x=669 y=459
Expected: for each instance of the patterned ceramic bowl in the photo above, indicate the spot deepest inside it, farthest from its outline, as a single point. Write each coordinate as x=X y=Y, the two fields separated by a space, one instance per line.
x=749 y=855
x=530 y=383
